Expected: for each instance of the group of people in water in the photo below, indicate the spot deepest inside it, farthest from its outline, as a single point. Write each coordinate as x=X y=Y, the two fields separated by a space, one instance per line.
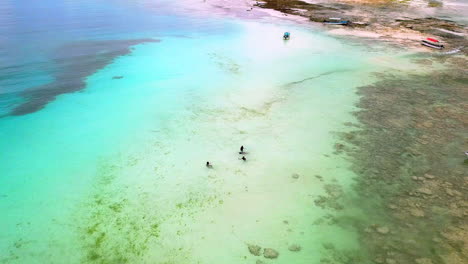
x=242 y=152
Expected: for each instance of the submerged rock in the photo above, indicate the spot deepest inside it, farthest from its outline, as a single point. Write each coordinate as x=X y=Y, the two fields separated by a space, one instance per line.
x=294 y=248
x=379 y=260
x=423 y=261
x=424 y=191
x=417 y=212
x=259 y=262
x=415 y=178
x=429 y=176
x=254 y=250
x=295 y=176
x=452 y=192
x=383 y=230
x=270 y=253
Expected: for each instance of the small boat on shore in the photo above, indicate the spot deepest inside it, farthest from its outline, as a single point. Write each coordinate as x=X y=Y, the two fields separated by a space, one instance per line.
x=432 y=43
x=336 y=21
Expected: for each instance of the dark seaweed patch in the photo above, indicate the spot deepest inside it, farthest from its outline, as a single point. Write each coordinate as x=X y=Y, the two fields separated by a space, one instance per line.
x=83 y=59
x=119 y=229
x=115 y=230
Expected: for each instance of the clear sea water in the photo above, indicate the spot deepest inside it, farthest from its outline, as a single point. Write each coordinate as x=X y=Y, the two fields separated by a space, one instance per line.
x=110 y=109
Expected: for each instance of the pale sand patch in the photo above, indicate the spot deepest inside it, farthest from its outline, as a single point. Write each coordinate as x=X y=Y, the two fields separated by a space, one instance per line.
x=409 y=38
x=354 y=32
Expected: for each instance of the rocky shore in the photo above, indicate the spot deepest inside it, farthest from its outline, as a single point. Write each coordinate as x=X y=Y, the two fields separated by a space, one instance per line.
x=388 y=21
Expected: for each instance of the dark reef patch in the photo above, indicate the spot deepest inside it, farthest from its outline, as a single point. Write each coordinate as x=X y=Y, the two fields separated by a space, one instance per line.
x=412 y=183
x=82 y=60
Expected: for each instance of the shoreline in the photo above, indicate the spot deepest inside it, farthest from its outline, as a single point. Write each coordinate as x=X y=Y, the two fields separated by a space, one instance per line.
x=392 y=23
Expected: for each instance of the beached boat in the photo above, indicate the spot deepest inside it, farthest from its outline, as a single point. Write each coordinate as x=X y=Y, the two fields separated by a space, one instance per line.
x=336 y=21
x=432 y=43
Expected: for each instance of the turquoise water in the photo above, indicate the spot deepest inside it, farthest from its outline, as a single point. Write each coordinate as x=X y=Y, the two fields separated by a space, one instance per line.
x=112 y=169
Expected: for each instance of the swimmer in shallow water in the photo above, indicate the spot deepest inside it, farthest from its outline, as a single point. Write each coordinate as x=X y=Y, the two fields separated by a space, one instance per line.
x=242 y=150
x=208 y=165
x=243 y=158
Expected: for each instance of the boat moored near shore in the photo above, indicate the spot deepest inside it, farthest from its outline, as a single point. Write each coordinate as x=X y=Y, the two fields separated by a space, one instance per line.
x=336 y=21
x=432 y=43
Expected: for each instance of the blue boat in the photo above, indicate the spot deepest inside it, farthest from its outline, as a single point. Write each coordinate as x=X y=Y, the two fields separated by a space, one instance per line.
x=286 y=35
x=336 y=21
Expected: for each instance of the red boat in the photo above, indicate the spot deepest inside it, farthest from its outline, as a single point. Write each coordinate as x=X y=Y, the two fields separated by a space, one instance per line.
x=432 y=43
